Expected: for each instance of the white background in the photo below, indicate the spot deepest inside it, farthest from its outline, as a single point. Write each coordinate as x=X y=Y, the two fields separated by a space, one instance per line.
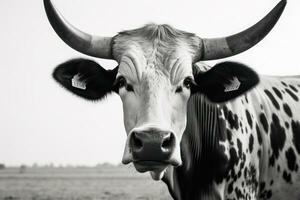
x=41 y=122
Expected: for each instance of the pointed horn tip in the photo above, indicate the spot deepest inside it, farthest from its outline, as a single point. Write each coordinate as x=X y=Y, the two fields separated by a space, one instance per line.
x=283 y=2
x=47 y=2
x=281 y=5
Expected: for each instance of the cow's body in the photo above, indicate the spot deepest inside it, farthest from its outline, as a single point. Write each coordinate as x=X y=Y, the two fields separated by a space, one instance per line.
x=259 y=144
x=217 y=134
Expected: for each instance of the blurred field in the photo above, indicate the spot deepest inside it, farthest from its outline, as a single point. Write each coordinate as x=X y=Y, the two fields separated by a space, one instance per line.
x=99 y=183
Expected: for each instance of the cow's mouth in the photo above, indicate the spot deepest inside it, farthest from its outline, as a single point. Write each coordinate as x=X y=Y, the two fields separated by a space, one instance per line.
x=156 y=169
x=144 y=166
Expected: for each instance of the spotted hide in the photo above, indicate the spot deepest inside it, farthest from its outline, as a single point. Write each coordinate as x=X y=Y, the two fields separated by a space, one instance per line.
x=224 y=133
x=247 y=148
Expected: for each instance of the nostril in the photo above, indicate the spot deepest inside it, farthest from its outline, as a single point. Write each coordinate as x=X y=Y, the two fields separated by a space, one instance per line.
x=168 y=142
x=136 y=142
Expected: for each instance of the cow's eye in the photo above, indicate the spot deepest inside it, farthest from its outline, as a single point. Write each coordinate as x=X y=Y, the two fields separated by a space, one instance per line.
x=178 y=89
x=129 y=88
x=187 y=82
x=121 y=82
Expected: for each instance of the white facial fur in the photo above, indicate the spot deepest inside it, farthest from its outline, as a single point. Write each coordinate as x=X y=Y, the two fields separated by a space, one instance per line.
x=154 y=101
x=155 y=69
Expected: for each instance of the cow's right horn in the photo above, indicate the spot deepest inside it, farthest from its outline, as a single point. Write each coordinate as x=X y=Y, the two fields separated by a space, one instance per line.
x=216 y=48
x=85 y=43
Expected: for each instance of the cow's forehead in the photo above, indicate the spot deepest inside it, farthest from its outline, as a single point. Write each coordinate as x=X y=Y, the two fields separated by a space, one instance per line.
x=157 y=48
x=138 y=64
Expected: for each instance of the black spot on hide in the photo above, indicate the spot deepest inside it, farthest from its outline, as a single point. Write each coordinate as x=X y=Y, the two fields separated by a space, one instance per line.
x=277 y=92
x=287 y=177
x=259 y=138
x=292 y=94
x=259 y=153
x=239 y=194
x=249 y=119
x=283 y=83
x=287 y=110
x=251 y=141
x=230 y=188
x=293 y=88
x=264 y=122
x=229 y=135
x=233 y=120
x=291 y=158
x=233 y=158
x=246 y=98
x=277 y=136
x=272 y=98
x=296 y=135
x=240 y=148
x=272 y=160
x=269 y=194
x=287 y=125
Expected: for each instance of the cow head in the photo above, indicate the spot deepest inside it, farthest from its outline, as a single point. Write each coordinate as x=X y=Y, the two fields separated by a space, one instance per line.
x=155 y=79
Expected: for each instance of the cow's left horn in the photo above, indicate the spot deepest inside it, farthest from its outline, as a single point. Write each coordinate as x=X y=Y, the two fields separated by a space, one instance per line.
x=217 y=48
x=85 y=43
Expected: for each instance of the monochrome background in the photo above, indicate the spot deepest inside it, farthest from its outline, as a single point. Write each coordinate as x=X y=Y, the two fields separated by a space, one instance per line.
x=42 y=123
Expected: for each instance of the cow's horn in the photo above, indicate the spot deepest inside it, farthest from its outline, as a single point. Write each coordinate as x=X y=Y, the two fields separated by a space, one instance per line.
x=85 y=43
x=217 y=48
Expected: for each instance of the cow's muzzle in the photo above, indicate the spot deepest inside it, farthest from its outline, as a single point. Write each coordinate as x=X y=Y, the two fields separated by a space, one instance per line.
x=151 y=149
x=152 y=145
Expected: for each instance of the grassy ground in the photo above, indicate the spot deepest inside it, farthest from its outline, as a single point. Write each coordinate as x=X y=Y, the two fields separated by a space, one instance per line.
x=101 y=183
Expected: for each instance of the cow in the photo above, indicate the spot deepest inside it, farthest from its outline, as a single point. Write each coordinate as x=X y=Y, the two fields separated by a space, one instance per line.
x=221 y=132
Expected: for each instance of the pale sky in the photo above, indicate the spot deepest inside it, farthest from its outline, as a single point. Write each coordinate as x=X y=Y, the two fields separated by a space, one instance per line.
x=41 y=122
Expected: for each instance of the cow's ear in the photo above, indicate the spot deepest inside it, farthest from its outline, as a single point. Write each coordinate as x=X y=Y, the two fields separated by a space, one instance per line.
x=85 y=78
x=226 y=81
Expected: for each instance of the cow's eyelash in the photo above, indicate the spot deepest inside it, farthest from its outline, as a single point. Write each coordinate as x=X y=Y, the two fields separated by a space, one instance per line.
x=129 y=88
x=188 y=82
x=121 y=82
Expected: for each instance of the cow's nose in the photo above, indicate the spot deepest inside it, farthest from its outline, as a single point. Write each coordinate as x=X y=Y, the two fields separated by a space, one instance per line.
x=152 y=145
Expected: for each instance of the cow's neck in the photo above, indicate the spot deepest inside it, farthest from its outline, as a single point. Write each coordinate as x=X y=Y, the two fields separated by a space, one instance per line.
x=204 y=163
